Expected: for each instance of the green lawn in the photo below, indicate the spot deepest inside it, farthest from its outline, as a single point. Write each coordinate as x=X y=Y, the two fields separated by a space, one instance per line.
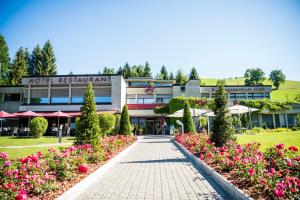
x=288 y=90
x=23 y=152
x=270 y=139
x=25 y=141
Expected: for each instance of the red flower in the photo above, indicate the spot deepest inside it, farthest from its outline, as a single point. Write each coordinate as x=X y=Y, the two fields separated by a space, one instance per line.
x=292 y=148
x=280 y=146
x=83 y=168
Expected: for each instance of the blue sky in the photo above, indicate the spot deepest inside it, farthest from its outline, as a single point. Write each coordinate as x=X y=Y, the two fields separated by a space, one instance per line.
x=220 y=38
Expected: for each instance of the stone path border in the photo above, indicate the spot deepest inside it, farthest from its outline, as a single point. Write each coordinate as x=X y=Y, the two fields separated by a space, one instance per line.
x=235 y=192
x=37 y=145
x=84 y=184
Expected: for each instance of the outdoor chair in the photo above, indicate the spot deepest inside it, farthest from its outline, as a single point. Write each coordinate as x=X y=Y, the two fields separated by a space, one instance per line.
x=15 y=131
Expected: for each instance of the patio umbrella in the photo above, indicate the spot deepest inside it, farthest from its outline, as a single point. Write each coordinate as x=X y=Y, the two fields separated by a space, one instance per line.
x=59 y=114
x=195 y=112
x=27 y=114
x=239 y=109
x=3 y=115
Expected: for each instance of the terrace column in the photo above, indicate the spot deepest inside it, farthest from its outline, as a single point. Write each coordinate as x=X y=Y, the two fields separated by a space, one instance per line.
x=28 y=95
x=274 y=121
x=154 y=96
x=70 y=93
x=286 y=120
x=49 y=93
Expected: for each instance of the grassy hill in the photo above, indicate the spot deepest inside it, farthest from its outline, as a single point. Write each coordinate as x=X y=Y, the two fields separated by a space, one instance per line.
x=288 y=90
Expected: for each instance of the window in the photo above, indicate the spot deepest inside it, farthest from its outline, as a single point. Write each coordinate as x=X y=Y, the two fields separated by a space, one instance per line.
x=205 y=95
x=237 y=96
x=59 y=96
x=103 y=100
x=12 y=97
x=131 y=101
x=252 y=96
x=162 y=84
x=39 y=96
x=76 y=100
x=163 y=99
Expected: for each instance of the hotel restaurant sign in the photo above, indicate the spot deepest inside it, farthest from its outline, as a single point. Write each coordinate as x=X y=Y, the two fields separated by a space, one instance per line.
x=245 y=89
x=66 y=80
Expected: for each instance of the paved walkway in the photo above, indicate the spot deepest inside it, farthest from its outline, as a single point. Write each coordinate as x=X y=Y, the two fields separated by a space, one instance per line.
x=154 y=169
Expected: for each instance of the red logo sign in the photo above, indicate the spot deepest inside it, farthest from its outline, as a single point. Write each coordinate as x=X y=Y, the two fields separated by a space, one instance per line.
x=149 y=89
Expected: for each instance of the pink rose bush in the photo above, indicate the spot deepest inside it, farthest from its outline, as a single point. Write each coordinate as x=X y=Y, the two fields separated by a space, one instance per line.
x=274 y=174
x=36 y=174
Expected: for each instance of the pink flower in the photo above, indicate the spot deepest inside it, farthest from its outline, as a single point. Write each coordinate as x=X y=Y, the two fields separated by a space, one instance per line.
x=22 y=195
x=83 y=168
x=201 y=156
x=263 y=181
x=289 y=163
x=251 y=171
x=3 y=155
x=280 y=146
x=279 y=193
x=7 y=163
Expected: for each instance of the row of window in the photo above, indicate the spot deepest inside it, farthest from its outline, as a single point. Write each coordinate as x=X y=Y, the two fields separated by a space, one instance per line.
x=65 y=100
x=147 y=83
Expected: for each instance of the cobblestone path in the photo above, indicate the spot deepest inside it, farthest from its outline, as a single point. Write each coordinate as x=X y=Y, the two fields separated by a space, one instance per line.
x=154 y=169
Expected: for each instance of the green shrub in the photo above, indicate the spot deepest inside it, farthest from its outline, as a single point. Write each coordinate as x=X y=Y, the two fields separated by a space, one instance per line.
x=38 y=126
x=188 y=122
x=125 y=127
x=117 y=124
x=281 y=130
x=258 y=130
x=222 y=130
x=203 y=121
x=88 y=130
x=106 y=122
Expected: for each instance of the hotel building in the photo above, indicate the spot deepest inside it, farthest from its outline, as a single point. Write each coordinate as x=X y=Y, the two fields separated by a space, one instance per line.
x=142 y=95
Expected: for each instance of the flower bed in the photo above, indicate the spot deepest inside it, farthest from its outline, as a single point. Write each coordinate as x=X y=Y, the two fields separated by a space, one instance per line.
x=45 y=176
x=269 y=175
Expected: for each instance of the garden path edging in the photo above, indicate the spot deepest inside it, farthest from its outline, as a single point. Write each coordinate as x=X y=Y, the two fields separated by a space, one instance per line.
x=233 y=191
x=77 y=189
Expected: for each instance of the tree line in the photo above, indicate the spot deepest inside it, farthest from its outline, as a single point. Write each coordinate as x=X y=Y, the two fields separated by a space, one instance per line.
x=39 y=62
x=145 y=71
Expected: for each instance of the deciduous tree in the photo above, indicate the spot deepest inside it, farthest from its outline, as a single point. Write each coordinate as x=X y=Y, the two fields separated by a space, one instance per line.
x=277 y=78
x=254 y=76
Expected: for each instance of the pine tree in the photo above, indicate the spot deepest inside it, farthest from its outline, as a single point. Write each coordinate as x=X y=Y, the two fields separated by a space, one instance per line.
x=127 y=71
x=88 y=131
x=125 y=127
x=147 y=70
x=18 y=68
x=120 y=71
x=108 y=70
x=222 y=130
x=35 y=67
x=164 y=73
x=4 y=61
x=194 y=74
x=181 y=79
x=171 y=77
x=49 y=66
x=188 y=122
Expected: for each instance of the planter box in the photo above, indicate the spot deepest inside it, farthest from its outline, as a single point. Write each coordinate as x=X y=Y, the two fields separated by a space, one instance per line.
x=84 y=184
x=223 y=183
